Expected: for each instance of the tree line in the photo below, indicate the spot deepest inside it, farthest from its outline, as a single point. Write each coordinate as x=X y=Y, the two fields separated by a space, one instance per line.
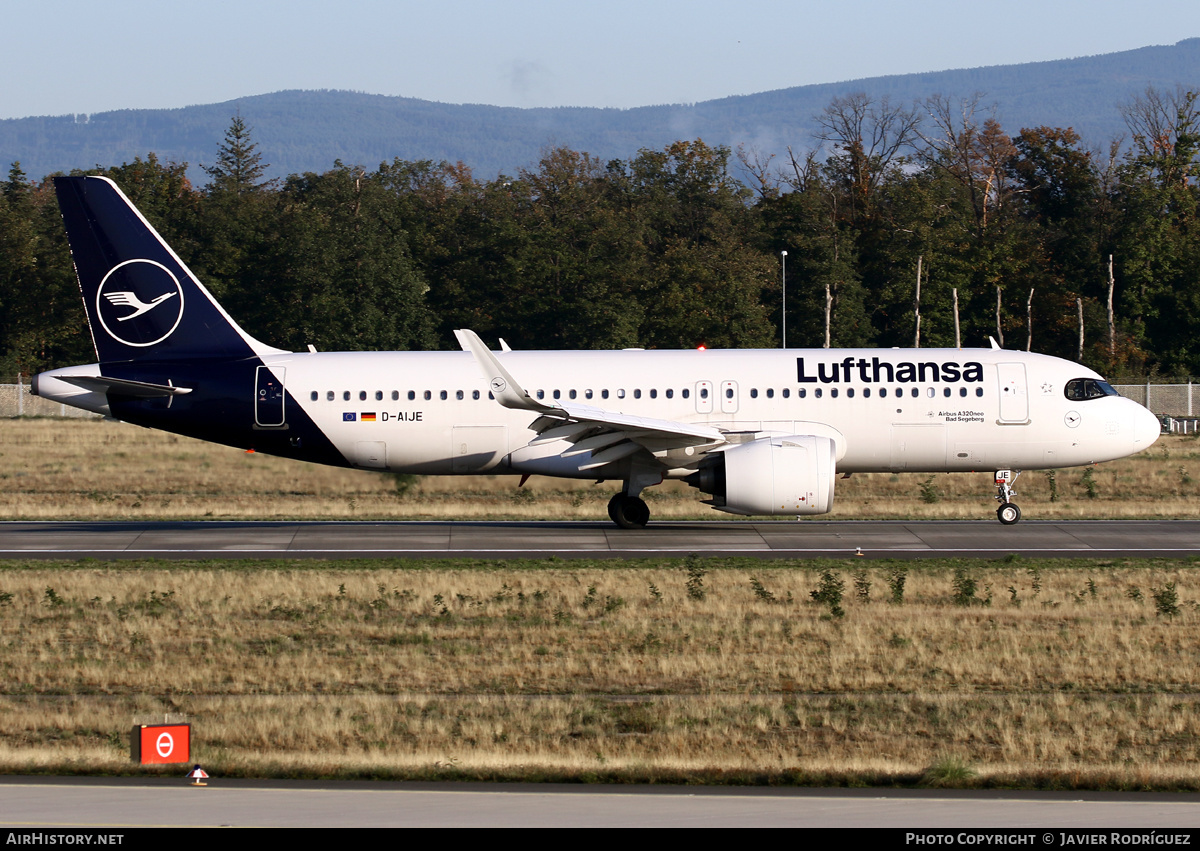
x=926 y=225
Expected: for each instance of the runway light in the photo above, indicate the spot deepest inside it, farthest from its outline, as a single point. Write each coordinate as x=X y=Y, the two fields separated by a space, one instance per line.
x=701 y=347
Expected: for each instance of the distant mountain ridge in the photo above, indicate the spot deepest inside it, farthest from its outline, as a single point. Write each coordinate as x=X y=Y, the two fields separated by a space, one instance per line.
x=300 y=131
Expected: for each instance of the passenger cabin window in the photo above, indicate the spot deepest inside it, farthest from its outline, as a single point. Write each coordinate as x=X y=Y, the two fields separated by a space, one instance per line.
x=1083 y=389
x=458 y=394
x=670 y=393
x=315 y=395
x=753 y=392
x=428 y=395
x=378 y=395
x=395 y=395
x=637 y=394
x=362 y=395
x=786 y=393
x=412 y=394
x=474 y=394
x=346 y=396
x=770 y=392
x=442 y=395
x=329 y=396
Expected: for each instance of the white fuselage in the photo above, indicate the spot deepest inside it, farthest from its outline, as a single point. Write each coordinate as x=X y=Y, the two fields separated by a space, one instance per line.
x=886 y=409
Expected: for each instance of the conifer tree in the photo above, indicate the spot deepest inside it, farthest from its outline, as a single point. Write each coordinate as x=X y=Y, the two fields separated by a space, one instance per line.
x=239 y=168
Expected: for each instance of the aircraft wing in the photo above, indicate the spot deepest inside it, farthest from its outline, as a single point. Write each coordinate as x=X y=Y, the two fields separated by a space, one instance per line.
x=608 y=435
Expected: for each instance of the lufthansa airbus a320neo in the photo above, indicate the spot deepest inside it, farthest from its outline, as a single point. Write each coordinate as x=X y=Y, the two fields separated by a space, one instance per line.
x=761 y=432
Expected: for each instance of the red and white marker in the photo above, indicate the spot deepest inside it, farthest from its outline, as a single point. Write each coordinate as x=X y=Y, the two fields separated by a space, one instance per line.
x=198 y=775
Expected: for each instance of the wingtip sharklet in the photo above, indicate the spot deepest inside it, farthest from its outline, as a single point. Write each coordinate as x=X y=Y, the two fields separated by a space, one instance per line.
x=502 y=385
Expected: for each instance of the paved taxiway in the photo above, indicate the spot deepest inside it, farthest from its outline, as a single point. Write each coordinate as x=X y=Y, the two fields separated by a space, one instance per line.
x=806 y=539
x=113 y=803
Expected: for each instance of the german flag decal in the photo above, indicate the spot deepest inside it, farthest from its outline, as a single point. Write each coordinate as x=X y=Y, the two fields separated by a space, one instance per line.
x=367 y=418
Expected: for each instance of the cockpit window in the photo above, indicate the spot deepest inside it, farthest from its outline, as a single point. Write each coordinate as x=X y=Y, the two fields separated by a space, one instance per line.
x=1082 y=389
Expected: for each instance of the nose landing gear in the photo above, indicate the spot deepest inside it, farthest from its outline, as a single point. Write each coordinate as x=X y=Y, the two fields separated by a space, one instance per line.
x=1008 y=513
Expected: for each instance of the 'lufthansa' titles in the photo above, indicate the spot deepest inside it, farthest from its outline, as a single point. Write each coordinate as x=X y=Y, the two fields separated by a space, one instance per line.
x=877 y=371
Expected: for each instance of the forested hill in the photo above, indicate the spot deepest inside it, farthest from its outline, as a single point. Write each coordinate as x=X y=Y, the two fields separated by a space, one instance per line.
x=301 y=131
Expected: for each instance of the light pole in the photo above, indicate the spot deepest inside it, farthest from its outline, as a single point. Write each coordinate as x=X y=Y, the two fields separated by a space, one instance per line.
x=783 y=260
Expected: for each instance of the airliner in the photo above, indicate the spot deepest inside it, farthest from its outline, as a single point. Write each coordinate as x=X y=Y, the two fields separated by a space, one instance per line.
x=759 y=432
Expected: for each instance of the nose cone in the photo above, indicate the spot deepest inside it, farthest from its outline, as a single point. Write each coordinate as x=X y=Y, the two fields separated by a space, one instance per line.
x=1146 y=428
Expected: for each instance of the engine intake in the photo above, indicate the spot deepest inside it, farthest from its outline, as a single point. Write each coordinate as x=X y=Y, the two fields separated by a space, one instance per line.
x=793 y=474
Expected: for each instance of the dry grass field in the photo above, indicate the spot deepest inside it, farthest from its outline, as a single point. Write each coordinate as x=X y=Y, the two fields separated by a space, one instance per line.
x=691 y=670
x=1079 y=674
x=88 y=469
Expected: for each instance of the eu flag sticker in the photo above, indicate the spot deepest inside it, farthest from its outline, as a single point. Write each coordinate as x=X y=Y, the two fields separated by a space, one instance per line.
x=349 y=417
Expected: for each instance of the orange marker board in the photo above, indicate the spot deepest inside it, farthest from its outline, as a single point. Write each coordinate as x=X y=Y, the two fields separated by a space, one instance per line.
x=161 y=744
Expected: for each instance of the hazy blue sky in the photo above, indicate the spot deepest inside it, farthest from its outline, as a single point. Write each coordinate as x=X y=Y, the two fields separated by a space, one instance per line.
x=63 y=56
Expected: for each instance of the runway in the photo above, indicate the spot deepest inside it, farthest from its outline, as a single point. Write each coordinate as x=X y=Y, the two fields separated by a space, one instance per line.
x=767 y=540
x=114 y=803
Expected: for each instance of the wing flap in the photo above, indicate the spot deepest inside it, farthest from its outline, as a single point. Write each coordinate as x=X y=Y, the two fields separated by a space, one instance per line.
x=607 y=456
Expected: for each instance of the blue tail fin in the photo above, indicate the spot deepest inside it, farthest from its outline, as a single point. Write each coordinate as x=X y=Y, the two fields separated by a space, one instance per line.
x=142 y=302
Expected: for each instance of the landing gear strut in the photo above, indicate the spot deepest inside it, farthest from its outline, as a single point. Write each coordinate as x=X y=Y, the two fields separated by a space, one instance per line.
x=626 y=508
x=628 y=512
x=1008 y=513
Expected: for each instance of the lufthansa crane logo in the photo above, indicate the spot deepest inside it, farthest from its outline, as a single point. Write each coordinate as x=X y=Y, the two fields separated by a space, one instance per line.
x=139 y=303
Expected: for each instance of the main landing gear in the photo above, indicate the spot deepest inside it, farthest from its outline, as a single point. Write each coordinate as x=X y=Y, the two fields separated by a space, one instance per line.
x=626 y=508
x=628 y=512
x=1008 y=513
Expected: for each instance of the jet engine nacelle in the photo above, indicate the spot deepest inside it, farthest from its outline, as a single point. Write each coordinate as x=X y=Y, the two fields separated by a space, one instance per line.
x=793 y=474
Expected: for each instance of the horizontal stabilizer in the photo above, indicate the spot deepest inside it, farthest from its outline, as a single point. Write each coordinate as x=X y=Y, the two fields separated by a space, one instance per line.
x=136 y=389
